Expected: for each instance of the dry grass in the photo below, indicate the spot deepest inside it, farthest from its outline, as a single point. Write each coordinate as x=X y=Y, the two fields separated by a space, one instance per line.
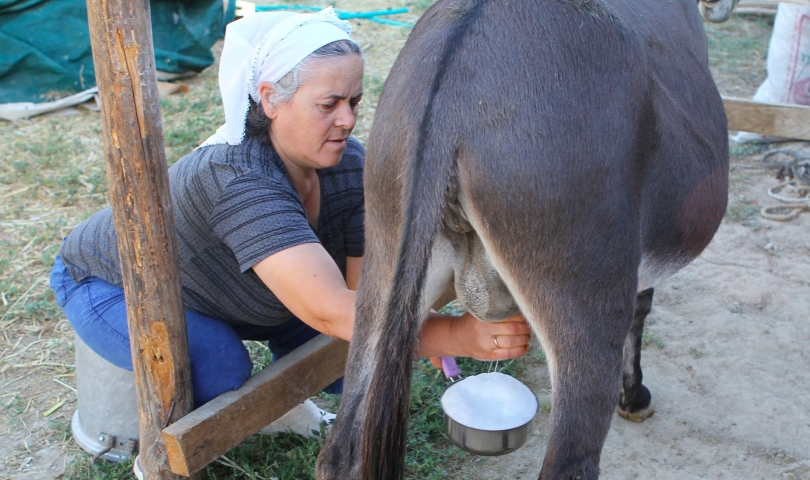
x=52 y=176
x=737 y=53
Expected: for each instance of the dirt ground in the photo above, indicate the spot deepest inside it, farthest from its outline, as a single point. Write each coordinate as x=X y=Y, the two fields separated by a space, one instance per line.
x=726 y=359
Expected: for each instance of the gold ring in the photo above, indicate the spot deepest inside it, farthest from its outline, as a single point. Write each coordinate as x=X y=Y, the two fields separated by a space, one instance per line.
x=495 y=339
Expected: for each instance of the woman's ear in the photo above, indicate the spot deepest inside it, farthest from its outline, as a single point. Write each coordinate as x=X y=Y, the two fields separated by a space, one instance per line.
x=266 y=92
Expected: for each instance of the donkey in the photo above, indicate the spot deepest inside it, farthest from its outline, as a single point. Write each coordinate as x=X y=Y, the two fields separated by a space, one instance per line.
x=554 y=157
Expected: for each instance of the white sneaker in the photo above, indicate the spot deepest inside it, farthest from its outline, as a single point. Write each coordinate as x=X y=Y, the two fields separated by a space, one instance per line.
x=136 y=468
x=305 y=420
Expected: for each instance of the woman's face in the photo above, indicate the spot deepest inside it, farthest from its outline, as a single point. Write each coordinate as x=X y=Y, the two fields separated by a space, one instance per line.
x=311 y=129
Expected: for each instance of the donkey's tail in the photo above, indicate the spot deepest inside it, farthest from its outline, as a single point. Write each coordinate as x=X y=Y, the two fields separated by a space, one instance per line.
x=428 y=170
x=427 y=166
x=385 y=422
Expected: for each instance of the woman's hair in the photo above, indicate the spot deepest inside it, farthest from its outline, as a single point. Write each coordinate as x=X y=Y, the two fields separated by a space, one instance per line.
x=257 y=123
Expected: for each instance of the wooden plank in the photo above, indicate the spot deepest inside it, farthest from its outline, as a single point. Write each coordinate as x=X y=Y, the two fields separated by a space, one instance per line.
x=792 y=121
x=755 y=11
x=205 y=434
x=124 y=59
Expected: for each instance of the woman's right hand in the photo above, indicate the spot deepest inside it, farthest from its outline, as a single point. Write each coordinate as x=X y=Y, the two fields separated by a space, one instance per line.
x=508 y=338
x=502 y=340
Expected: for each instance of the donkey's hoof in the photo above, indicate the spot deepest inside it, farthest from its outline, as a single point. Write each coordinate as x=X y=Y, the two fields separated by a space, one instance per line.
x=637 y=416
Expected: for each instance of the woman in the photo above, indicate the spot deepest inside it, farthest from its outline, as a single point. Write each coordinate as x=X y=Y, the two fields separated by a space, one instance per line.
x=269 y=215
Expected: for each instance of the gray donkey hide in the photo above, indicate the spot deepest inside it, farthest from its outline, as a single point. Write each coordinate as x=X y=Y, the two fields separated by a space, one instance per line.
x=555 y=157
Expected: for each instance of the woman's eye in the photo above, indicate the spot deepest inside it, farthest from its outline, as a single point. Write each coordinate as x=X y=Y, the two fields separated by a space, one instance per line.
x=327 y=106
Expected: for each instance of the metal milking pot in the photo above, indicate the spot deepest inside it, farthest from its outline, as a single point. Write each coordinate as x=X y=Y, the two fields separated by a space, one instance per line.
x=495 y=436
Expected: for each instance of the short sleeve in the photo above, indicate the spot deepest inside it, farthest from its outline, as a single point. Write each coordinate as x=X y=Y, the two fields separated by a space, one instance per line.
x=355 y=245
x=257 y=216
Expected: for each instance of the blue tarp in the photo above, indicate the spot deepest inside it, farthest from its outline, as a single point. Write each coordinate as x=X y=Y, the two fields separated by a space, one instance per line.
x=45 y=44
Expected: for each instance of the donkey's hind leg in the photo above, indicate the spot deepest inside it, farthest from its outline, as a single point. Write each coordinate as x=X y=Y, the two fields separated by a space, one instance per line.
x=635 y=401
x=583 y=343
x=582 y=330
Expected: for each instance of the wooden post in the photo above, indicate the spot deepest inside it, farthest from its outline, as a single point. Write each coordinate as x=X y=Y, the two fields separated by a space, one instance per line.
x=121 y=38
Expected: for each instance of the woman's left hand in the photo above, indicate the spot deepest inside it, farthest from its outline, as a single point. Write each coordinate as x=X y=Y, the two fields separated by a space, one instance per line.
x=508 y=338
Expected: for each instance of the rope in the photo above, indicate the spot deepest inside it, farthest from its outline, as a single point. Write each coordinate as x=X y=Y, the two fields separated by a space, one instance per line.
x=795 y=205
x=793 y=191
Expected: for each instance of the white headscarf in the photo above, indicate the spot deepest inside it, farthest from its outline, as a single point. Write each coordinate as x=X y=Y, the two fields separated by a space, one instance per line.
x=263 y=47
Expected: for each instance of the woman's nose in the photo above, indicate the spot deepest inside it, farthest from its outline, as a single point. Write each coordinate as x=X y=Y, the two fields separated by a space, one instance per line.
x=346 y=117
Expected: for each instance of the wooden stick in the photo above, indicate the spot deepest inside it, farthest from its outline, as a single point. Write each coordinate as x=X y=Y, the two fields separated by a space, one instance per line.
x=121 y=39
x=791 y=121
x=205 y=434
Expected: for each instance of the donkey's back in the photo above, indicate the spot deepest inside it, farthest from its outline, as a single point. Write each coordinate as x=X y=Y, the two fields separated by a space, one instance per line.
x=555 y=157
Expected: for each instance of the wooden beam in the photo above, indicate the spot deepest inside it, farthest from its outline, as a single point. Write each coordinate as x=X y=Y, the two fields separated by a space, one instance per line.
x=138 y=182
x=205 y=434
x=754 y=10
x=791 y=121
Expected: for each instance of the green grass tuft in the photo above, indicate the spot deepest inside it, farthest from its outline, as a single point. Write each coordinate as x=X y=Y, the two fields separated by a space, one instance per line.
x=648 y=339
x=82 y=469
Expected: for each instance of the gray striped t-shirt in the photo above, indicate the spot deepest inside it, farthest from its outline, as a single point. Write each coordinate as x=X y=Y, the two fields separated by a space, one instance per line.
x=235 y=206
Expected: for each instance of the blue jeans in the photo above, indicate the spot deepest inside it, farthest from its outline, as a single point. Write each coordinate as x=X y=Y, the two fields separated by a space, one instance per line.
x=219 y=360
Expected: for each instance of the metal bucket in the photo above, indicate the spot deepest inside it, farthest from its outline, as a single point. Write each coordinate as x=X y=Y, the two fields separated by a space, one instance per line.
x=105 y=423
x=506 y=438
x=486 y=442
